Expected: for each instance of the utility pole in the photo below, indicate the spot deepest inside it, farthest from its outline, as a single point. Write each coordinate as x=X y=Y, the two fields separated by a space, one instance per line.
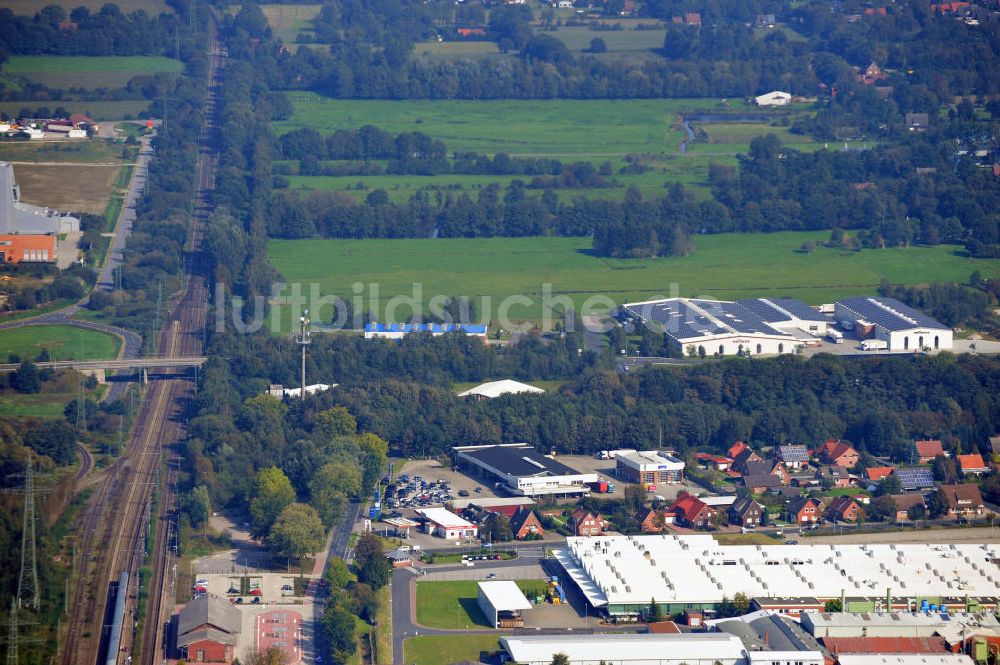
x=12 y=634
x=304 y=341
x=27 y=582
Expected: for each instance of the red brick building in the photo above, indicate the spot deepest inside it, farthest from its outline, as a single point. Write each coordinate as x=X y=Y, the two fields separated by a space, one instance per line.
x=805 y=510
x=844 y=509
x=206 y=630
x=650 y=521
x=586 y=523
x=839 y=454
x=524 y=523
x=690 y=511
x=928 y=449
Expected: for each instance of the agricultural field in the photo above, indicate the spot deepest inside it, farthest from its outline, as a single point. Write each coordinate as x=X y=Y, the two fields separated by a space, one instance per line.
x=97 y=110
x=67 y=186
x=77 y=151
x=47 y=405
x=560 y=129
x=444 y=649
x=62 y=343
x=491 y=269
x=287 y=21
x=55 y=71
x=451 y=50
x=31 y=7
x=619 y=42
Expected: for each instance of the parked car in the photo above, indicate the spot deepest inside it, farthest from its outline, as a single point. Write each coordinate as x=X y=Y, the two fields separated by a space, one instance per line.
x=255 y=601
x=233 y=589
x=256 y=592
x=463 y=492
x=286 y=587
x=239 y=601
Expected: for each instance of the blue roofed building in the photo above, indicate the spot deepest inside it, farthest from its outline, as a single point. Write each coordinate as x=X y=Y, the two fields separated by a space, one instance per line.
x=400 y=330
x=900 y=326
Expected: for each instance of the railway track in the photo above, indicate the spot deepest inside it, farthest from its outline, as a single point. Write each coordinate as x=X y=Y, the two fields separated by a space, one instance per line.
x=115 y=525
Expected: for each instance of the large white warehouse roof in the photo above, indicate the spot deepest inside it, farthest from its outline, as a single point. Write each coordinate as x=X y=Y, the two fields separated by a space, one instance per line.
x=629 y=570
x=635 y=649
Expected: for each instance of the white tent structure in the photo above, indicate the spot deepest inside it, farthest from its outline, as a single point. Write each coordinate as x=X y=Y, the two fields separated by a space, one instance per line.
x=497 y=388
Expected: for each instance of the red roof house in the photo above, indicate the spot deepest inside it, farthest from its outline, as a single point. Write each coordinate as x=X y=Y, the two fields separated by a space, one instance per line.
x=844 y=509
x=525 y=523
x=972 y=464
x=736 y=449
x=585 y=523
x=650 y=521
x=928 y=449
x=964 y=500
x=877 y=473
x=839 y=453
x=690 y=511
x=805 y=510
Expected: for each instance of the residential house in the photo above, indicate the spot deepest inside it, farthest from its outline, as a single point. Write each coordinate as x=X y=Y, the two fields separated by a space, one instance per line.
x=972 y=464
x=872 y=74
x=793 y=457
x=745 y=512
x=877 y=473
x=995 y=445
x=207 y=628
x=745 y=457
x=964 y=500
x=585 y=523
x=764 y=21
x=649 y=521
x=915 y=478
x=736 y=449
x=525 y=523
x=690 y=511
x=767 y=468
x=844 y=509
x=400 y=558
x=904 y=502
x=839 y=454
x=804 y=510
x=762 y=482
x=833 y=476
x=927 y=450
x=917 y=122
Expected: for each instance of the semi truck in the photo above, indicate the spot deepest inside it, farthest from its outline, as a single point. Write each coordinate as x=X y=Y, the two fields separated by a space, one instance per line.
x=874 y=345
x=835 y=336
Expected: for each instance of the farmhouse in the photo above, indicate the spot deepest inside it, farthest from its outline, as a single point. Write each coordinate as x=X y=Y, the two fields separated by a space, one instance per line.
x=889 y=320
x=522 y=471
x=649 y=467
x=619 y=574
x=401 y=330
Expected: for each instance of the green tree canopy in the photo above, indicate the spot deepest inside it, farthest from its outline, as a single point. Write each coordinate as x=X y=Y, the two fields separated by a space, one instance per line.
x=297 y=532
x=272 y=493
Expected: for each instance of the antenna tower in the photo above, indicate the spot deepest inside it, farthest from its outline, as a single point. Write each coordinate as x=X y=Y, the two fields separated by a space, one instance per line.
x=304 y=341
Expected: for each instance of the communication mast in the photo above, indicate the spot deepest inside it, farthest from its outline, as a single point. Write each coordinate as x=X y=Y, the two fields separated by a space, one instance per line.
x=304 y=341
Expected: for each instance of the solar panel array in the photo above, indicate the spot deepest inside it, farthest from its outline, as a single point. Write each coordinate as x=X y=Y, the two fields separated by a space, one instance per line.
x=686 y=319
x=889 y=313
x=914 y=478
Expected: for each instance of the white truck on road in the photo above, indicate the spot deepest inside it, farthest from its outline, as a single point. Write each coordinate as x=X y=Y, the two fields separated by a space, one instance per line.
x=835 y=336
x=874 y=345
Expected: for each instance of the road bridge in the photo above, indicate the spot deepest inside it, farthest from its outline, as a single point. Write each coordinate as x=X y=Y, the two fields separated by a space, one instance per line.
x=148 y=362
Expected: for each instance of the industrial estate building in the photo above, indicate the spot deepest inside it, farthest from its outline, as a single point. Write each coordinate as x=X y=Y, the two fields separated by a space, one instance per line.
x=521 y=470
x=401 y=330
x=780 y=325
x=446 y=524
x=649 y=467
x=887 y=319
x=28 y=233
x=619 y=574
x=502 y=602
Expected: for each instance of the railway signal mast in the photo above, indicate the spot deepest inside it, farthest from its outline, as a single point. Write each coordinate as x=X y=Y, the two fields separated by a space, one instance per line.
x=304 y=341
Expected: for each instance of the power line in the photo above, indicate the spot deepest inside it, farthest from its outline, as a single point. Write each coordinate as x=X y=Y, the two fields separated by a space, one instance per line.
x=27 y=583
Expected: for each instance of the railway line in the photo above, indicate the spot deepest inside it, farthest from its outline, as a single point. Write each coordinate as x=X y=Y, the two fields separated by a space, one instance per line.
x=113 y=534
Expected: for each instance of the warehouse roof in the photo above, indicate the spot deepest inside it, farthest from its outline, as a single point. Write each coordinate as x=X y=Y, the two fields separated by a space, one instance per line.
x=623 y=648
x=629 y=570
x=684 y=318
x=645 y=459
x=435 y=328
x=819 y=621
x=885 y=644
x=889 y=313
x=520 y=460
x=493 y=389
x=905 y=659
x=505 y=596
x=780 y=310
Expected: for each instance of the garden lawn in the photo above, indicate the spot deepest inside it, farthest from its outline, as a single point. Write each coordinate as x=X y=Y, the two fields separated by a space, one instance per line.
x=444 y=649
x=491 y=269
x=62 y=342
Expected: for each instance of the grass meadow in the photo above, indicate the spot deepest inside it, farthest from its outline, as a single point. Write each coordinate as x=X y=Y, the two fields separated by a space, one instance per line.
x=561 y=129
x=95 y=109
x=30 y=7
x=444 y=649
x=62 y=342
x=721 y=266
x=57 y=71
x=287 y=21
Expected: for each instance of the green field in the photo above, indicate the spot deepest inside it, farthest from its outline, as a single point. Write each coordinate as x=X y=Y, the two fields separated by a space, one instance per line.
x=632 y=42
x=56 y=71
x=287 y=21
x=452 y=604
x=721 y=266
x=62 y=342
x=30 y=7
x=97 y=110
x=69 y=151
x=39 y=405
x=444 y=649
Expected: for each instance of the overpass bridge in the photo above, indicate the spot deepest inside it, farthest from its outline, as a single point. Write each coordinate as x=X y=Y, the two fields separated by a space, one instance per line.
x=148 y=362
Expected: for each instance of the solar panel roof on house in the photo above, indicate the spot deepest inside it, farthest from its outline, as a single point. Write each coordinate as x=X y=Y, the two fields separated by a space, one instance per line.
x=911 y=478
x=889 y=313
x=793 y=453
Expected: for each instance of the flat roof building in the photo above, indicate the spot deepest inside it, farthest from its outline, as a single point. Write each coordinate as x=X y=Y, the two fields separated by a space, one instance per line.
x=718 y=327
x=401 y=330
x=822 y=625
x=642 y=649
x=502 y=602
x=649 y=467
x=523 y=471
x=904 y=659
x=901 y=326
x=619 y=574
x=446 y=524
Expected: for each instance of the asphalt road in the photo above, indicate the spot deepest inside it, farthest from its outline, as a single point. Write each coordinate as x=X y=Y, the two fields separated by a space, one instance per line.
x=342 y=536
